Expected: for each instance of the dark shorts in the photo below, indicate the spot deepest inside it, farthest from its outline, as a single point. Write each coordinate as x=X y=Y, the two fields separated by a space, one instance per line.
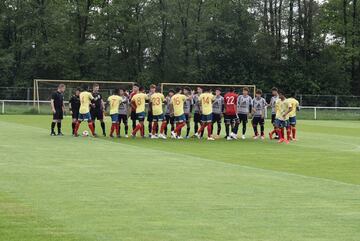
x=170 y=119
x=257 y=120
x=216 y=118
x=273 y=118
x=75 y=114
x=231 y=119
x=123 y=118
x=85 y=117
x=97 y=114
x=206 y=118
x=140 y=116
x=150 y=116
x=58 y=115
x=292 y=120
x=281 y=123
x=115 y=118
x=197 y=117
x=243 y=118
x=158 y=118
x=180 y=118
x=133 y=116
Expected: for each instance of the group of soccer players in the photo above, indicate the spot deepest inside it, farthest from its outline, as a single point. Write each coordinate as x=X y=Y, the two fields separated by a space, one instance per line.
x=207 y=107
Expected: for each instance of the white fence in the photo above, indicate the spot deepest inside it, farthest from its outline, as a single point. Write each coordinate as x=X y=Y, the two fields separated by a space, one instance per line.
x=306 y=112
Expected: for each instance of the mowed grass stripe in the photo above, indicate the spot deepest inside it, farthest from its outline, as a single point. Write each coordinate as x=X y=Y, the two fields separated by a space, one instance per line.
x=146 y=194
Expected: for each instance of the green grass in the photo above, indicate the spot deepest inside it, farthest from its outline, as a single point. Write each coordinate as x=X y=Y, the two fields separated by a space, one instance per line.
x=64 y=188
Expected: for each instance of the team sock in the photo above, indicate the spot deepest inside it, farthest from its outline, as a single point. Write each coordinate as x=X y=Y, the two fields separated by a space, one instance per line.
x=112 y=129
x=142 y=130
x=77 y=125
x=288 y=133
x=178 y=128
x=59 y=127
x=154 y=128
x=209 y=129
x=126 y=129
x=244 y=128
x=218 y=129
x=163 y=127
x=255 y=130
x=188 y=130
x=227 y=129
x=150 y=127
x=293 y=130
x=117 y=129
x=73 y=127
x=92 y=128
x=236 y=128
x=53 y=127
x=262 y=129
x=196 y=127
x=103 y=127
x=136 y=129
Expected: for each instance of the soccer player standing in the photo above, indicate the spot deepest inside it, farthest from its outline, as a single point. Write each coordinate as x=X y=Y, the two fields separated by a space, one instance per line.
x=156 y=101
x=196 y=104
x=283 y=108
x=177 y=103
x=292 y=116
x=74 y=106
x=259 y=107
x=150 y=112
x=168 y=115
x=187 y=109
x=97 y=108
x=114 y=102
x=206 y=102
x=244 y=107
x=84 y=112
x=134 y=91
x=231 y=117
x=218 y=110
x=274 y=98
x=123 y=111
x=57 y=107
x=138 y=102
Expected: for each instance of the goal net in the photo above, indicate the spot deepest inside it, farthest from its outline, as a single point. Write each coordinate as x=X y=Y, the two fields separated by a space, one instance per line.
x=165 y=87
x=43 y=89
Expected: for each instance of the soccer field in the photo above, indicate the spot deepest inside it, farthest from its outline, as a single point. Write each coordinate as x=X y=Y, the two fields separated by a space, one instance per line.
x=65 y=188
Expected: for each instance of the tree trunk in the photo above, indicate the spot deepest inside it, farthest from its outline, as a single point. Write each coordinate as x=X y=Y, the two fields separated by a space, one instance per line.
x=291 y=25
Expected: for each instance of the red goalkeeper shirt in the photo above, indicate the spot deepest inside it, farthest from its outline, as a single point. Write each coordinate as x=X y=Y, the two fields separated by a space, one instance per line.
x=230 y=100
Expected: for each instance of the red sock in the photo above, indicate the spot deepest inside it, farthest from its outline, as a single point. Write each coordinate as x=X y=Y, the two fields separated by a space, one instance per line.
x=293 y=129
x=137 y=128
x=163 y=126
x=209 y=127
x=288 y=133
x=112 y=129
x=154 y=128
x=142 y=130
x=178 y=128
x=202 y=127
x=281 y=133
x=272 y=133
x=117 y=129
x=77 y=125
x=91 y=127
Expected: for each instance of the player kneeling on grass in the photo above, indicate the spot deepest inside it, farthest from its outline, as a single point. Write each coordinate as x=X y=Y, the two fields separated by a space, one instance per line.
x=74 y=106
x=292 y=116
x=84 y=112
x=283 y=108
x=259 y=107
x=114 y=102
x=138 y=103
x=206 y=102
x=156 y=101
x=57 y=107
x=177 y=105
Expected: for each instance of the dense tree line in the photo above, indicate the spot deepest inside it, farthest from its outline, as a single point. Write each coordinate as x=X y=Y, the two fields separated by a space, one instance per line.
x=302 y=45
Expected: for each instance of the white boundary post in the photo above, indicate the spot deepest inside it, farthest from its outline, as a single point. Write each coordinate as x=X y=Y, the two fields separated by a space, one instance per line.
x=315 y=114
x=3 y=107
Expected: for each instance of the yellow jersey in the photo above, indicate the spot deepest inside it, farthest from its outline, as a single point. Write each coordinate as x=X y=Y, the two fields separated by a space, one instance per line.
x=294 y=105
x=206 y=100
x=157 y=100
x=178 y=101
x=139 y=100
x=85 y=101
x=281 y=107
x=114 y=102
